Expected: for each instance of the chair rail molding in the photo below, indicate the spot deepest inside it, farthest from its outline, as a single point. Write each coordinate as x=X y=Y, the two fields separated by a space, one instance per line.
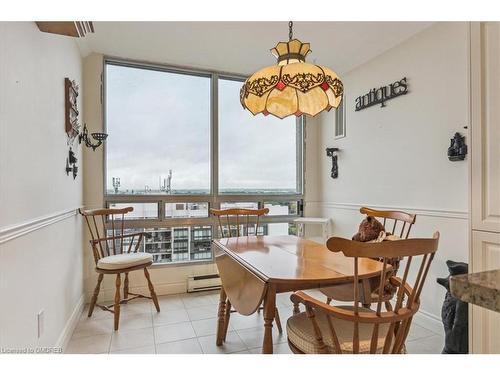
x=449 y=214
x=17 y=230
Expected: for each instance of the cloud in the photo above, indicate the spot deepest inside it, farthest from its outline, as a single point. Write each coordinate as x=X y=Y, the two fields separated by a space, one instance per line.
x=159 y=121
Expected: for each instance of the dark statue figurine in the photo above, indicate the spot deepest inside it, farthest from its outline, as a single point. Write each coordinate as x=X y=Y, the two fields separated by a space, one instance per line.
x=458 y=148
x=455 y=314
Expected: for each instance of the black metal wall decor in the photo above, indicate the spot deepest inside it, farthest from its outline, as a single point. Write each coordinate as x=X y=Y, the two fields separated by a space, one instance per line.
x=455 y=314
x=332 y=152
x=84 y=136
x=458 y=148
x=382 y=94
x=71 y=163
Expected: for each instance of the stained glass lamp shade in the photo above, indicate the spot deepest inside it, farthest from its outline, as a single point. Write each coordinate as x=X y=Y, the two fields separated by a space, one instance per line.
x=292 y=86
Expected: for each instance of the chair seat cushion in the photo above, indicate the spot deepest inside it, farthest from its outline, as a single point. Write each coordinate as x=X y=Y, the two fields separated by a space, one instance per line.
x=127 y=260
x=301 y=333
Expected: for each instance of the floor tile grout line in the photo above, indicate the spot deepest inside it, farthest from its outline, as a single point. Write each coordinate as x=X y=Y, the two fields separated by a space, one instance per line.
x=199 y=344
x=201 y=347
x=422 y=338
x=110 y=339
x=154 y=331
x=246 y=346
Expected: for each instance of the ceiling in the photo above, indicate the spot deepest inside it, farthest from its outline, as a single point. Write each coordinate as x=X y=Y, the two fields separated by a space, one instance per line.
x=243 y=47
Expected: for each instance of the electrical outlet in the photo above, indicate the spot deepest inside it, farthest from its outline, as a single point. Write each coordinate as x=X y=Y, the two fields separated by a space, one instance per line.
x=40 y=321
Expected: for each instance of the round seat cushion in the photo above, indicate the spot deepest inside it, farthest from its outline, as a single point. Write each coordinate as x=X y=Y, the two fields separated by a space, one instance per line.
x=126 y=260
x=301 y=333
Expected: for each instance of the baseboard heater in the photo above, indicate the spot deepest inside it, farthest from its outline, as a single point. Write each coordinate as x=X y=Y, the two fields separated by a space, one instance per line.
x=203 y=282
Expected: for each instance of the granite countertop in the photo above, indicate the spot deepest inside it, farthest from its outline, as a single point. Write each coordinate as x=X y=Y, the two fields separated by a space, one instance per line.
x=481 y=288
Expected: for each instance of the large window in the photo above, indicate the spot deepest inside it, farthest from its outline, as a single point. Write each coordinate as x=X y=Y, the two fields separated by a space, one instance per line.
x=257 y=155
x=180 y=143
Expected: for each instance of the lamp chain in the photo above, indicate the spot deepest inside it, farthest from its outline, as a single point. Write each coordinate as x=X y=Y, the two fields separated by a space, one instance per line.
x=290 y=31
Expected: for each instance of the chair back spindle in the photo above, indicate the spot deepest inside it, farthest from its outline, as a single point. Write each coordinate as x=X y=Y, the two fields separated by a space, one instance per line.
x=101 y=222
x=398 y=219
x=232 y=219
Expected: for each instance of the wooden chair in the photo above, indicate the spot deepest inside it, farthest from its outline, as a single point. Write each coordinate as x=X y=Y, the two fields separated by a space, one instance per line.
x=396 y=222
x=353 y=329
x=236 y=222
x=116 y=254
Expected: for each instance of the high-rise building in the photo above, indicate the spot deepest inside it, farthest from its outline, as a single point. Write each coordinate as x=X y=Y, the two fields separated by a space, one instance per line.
x=201 y=242
x=193 y=243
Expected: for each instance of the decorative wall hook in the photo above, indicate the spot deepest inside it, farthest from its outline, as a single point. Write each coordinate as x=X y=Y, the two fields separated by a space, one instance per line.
x=332 y=152
x=458 y=148
x=84 y=136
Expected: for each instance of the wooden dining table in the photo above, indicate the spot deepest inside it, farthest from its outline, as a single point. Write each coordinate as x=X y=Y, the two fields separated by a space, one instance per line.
x=253 y=269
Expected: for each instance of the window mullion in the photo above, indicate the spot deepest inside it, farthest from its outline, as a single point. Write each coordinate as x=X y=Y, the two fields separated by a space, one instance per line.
x=214 y=141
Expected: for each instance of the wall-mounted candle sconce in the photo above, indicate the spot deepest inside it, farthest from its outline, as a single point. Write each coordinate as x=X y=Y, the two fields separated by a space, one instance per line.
x=71 y=163
x=332 y=152
x=84 y=136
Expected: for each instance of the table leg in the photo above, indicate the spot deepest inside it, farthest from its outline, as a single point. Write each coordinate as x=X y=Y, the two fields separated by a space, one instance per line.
x=269 y=313
x=222 y=316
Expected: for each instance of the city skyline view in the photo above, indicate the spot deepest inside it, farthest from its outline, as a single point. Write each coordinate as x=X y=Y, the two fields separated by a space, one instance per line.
x=183 y=243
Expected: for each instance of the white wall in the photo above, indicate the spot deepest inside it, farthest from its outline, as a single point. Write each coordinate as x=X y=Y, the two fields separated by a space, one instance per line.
x=395 y=157
x=40 y=234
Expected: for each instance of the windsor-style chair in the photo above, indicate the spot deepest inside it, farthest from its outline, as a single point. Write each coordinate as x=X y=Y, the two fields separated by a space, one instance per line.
x=236 y=222
x=353 y=329
x=402 y=223
x=116 y=254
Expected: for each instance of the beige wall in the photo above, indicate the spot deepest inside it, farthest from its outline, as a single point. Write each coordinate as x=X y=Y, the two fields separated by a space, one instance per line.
x=395 y=157
x=40 y=234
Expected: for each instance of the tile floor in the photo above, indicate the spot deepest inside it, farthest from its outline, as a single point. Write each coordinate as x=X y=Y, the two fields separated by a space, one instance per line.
x=187 y=324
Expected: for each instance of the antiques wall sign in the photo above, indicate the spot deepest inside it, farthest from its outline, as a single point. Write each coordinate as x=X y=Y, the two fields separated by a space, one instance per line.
x=382 y=94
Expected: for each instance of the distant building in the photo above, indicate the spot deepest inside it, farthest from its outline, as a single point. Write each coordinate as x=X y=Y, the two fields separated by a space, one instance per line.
x=194 y=243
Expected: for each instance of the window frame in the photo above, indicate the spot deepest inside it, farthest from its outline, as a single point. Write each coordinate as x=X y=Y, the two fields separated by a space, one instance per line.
x=214 y=197
x=340 y=117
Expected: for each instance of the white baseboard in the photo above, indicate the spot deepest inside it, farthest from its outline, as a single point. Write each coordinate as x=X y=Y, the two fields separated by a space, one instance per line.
x=429 y=321
x=69 y=327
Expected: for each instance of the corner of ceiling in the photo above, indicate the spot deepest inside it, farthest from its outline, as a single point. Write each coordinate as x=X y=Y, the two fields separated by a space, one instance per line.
x=83 y=47
x=431 y=24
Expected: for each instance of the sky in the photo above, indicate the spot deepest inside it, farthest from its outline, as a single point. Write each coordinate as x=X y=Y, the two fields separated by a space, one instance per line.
x=158 y=121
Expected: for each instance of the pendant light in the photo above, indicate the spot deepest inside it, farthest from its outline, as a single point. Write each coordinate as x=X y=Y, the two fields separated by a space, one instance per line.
x=292 y=86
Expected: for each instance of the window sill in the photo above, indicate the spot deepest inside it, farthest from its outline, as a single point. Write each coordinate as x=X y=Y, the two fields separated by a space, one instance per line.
x=182 y=264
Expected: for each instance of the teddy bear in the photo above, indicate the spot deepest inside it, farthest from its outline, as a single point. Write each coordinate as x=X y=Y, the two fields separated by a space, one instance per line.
x=368 y=230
